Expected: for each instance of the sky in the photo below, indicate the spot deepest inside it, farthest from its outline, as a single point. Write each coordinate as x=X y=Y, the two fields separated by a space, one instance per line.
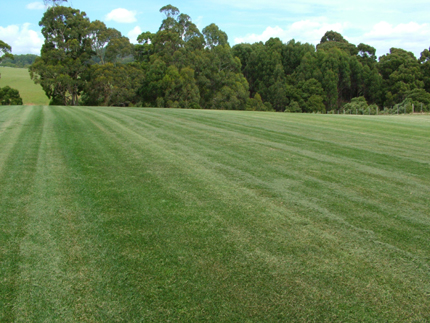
x=382 y=24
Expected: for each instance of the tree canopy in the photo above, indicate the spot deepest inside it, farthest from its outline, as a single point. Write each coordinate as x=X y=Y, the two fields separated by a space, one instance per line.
x=65 y=55
x=85 y=62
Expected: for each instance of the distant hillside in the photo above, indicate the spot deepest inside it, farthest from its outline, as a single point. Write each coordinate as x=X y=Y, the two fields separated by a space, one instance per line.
x=19 y=78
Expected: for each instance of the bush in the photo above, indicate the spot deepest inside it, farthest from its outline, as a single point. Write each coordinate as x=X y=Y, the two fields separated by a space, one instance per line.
x=405 y=106
x=256 y=104
x=357 y=105
x=293 y=107
x=9 y=96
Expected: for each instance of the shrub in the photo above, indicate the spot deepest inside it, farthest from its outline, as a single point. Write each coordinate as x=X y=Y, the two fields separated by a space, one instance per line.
x=9 y=96
x=293 y=107
x=255 y=104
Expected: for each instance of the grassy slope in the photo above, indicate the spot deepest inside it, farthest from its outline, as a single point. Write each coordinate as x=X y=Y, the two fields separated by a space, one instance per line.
x=143 y=214
x=19 y=78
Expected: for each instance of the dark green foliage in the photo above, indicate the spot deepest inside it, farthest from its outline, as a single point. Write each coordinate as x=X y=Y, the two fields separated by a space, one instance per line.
x=107 y=43
x=279 y=71
x=308 y=96
x=65 y=56
x=333 y=39
x=180 y=88
x=419 y=96
x=315 y=103
x=112 y=85
x=67 y=70
x=152 y=87
x=293 y=53
x=366 y=54
x=256 y=104
x=9 y=96
x=185 y=68
x=333 y=36
x=262 y=65
x=293 y=107
x=401 y=73
x=214 y=36
x=179 y=66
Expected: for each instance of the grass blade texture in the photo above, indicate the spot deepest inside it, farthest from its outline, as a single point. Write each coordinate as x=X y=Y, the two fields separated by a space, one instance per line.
x=124 y=214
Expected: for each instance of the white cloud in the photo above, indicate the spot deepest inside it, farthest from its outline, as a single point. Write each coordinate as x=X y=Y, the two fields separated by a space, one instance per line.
x=22 y=39
x=412 y=36
x=122 y=15
x=303 y=31
x=35 y=6
x=314 y=6
x=132 y=34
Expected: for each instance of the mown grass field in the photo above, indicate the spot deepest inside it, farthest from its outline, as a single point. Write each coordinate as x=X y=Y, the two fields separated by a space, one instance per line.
x=19 y=78
x=125 y=214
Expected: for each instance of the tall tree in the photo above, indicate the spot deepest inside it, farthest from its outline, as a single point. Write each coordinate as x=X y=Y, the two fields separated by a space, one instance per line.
x=219 y=77
x=366 y=54
x=101 y=37
x=214 y=36
x=333 y=36
x=401 y=73
x=334 y=39
x=118 y=48
x=65 y=55
x=293 y=53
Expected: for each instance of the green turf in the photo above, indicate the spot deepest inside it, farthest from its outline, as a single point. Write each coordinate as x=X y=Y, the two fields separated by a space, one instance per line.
x=19 y=78
x=155 y=215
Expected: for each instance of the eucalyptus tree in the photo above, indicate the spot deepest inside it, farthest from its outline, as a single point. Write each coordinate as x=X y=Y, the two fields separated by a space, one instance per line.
x=293 y=53
x=334 y=39
x=214 y=36
x=184 y=67
x=401 y=73
x=101 y=37
x=65 y=55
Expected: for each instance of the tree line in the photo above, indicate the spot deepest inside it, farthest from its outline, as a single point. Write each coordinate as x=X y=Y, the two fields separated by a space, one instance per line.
x=19 y=61
x=85 y=62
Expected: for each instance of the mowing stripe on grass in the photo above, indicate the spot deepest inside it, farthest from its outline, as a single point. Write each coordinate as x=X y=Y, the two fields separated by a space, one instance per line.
x=20 y=143
x=159 y=214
